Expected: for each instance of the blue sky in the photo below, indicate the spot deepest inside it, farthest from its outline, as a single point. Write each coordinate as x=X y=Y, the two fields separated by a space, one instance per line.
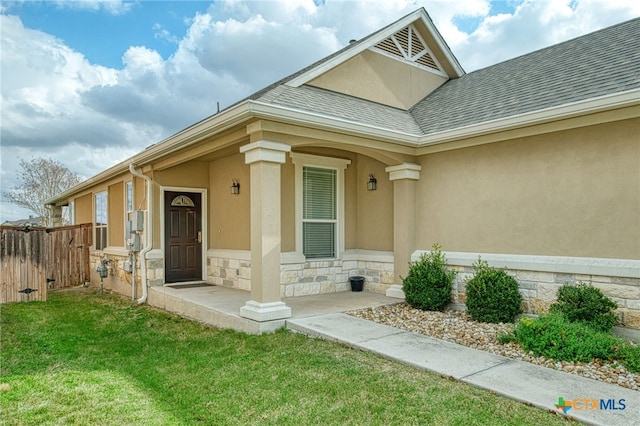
x=91 y=83
x=103 y=37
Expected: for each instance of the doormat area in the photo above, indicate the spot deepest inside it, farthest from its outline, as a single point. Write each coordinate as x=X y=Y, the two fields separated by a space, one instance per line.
x=196 y=285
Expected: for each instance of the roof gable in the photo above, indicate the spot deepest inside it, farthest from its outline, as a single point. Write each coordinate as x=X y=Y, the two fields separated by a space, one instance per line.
x=396 y=66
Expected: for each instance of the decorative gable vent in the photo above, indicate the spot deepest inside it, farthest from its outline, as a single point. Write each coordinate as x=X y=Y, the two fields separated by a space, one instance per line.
x=407 y=44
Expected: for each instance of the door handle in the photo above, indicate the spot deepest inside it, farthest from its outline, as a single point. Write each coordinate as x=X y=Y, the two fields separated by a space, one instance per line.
x=199 y=239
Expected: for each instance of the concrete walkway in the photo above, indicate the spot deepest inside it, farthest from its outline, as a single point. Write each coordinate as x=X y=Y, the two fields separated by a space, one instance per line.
x=528 y=383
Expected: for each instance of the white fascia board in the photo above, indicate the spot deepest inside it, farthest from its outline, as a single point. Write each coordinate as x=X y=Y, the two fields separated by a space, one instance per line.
x=590 y=106
x=562 y=112
x=374 y=39
x=321 y=121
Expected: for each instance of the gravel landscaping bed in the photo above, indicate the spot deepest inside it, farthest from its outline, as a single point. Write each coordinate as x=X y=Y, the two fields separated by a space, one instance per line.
x=457 y=327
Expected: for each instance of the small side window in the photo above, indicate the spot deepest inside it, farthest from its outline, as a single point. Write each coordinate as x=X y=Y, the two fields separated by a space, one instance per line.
x=101 y=220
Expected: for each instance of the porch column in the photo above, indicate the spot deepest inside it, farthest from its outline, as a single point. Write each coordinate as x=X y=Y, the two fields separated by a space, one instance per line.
x=404 y=177
x=265 y=159
x=54 y=218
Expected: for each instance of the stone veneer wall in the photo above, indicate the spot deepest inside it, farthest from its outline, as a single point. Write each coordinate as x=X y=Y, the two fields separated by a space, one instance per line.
x=299 y=277
x=229 y=269
x=330 y=276
x=118 y=280
x=619 y=279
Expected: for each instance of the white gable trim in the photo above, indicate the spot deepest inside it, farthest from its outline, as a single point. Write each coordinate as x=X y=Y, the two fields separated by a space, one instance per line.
x=407 y=57
x=376 y=38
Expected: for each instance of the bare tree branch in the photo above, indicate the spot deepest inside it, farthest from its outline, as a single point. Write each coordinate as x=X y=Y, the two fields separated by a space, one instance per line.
x=40 y=179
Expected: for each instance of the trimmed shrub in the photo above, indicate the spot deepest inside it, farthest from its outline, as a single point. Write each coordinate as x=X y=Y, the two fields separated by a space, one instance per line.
x=555 y=337
x=493 y=295
x=428 y=284
x=586 y=304
x=630 y=356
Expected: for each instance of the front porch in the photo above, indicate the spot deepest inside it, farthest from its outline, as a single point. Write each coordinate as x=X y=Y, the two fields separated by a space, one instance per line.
x=220 y=306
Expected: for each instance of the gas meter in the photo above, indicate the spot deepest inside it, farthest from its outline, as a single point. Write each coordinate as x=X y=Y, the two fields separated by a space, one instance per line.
x=102 y=271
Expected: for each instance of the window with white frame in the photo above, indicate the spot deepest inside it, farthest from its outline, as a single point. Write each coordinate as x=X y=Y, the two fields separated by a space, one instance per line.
x=128 y=206
x=319 y=215
x=319 y=205
x=128 y=197
x=101 y=220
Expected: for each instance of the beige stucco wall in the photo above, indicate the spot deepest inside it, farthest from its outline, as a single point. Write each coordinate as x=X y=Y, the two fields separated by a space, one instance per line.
x=192 y=174
x=84 y=209
x=380 y=79
x=116 y=215
x=288 y=206
x=374 y=229
x=139 y=194
x=229 y=215
x=569 y=193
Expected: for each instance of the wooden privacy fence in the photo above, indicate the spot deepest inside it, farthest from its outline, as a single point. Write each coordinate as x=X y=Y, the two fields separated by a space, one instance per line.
x=35 y=259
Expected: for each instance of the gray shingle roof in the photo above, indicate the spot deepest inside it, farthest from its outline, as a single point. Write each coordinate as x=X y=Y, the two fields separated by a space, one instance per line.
x=598 y=64
x=338 y=105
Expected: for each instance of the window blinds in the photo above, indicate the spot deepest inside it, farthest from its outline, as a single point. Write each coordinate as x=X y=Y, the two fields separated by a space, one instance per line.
x=319 y=212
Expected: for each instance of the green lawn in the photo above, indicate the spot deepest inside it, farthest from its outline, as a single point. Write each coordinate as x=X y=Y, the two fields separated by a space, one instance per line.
x=82 y=358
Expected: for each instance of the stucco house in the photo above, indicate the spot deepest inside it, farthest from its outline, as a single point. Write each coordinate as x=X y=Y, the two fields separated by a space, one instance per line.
x=361 y=161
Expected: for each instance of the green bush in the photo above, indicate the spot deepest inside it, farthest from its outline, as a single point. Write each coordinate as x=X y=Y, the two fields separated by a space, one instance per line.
x=630 y=356
x=554 y=336
x=492 y=295
x=429 y=282
x=583 y=303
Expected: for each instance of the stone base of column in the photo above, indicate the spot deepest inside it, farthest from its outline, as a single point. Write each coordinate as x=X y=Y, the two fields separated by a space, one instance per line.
x=265 y=311
x=395 y=291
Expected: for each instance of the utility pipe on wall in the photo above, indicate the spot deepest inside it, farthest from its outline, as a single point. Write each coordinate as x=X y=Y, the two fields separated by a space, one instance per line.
x=132 y=256
x=148 y=230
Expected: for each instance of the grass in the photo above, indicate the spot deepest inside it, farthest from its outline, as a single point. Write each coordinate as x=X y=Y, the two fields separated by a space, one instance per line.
x=82 y=359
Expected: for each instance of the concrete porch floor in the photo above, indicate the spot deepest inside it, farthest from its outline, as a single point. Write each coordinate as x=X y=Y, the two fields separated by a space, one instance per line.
x=220 y=306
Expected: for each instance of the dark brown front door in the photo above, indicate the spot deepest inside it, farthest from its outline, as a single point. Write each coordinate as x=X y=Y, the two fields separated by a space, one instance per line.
x=183 y=236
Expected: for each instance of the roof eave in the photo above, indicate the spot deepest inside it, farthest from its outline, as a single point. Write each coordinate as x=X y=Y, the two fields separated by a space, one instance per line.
x=228 y=118
x=334 y=124
x=255 y=109
x=562 y=112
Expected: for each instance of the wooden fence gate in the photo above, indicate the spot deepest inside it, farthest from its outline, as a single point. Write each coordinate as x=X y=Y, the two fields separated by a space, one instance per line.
x=36 y=259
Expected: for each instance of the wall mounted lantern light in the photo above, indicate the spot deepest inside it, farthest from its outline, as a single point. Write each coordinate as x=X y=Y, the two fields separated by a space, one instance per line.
x=235 y=187
x=371 y=185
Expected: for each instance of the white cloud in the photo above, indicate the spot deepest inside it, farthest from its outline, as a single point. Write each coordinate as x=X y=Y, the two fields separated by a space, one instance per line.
x=162 y=33
x=55 y=103
x=537 y=24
